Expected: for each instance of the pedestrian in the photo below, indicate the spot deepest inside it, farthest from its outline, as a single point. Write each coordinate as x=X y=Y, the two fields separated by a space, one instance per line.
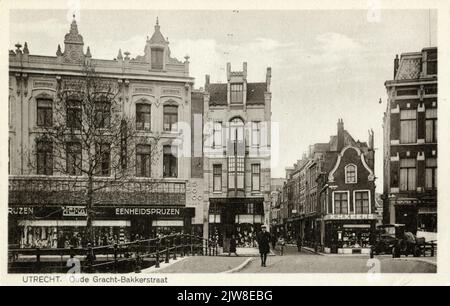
x=263 y=244
x=299 y=243
x=232 y=246
x=274 y=242
x=282 y=243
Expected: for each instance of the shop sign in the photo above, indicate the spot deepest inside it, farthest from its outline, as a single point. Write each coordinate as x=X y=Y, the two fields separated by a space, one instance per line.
x=21 y=211
x=148 y=211
x=351 y=217
x=74 y=211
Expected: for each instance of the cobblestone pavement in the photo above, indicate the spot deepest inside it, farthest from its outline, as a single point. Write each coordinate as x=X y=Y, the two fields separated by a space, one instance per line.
x=204 y=264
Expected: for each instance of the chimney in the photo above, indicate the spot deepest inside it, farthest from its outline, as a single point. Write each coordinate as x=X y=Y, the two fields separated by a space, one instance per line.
x=206 y=80
x=396 y=63
x=268 y=78
x=340 y=135
x=228 y=71
x=244 y=70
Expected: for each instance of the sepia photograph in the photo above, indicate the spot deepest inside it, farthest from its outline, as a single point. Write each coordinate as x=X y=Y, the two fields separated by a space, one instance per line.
x=149 y=142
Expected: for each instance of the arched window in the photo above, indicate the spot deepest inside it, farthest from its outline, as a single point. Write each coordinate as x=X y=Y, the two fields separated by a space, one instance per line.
x=170 y=118
x=351 y=174
x=237 y=129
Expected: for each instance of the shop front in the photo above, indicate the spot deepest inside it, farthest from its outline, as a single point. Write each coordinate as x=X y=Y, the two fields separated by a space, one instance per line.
x=65 y=226
x=349 y=234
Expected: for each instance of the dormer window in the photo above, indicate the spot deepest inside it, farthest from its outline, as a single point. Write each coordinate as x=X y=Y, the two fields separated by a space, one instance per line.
x=236 y=93
x=157 y=57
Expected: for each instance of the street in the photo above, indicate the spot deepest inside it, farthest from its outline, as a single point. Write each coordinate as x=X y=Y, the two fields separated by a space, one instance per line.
x=304 y=262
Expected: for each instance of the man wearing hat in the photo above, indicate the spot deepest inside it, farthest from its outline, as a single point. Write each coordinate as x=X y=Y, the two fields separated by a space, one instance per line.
x=263 y=239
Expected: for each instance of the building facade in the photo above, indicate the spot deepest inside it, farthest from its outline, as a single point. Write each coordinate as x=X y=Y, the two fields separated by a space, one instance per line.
x=156 y=90
x=237 y=156
x=410 y=143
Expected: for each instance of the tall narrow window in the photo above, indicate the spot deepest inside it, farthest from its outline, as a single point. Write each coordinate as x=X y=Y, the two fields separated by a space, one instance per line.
x=170 y=118
x=256 y=177
x=44 y=158
x=74 y=114
x=236 y=138
x=157 y=58
x=432 y=62
x=362 y=204
x=408 y=126
x=350 y=174
x=73 y=158
x=340 y=203
x=217 y=134
x=217 y=178
x=240 y=169
x=102 y=114
x=236 y=93
x=143 y=116
x=103 y=159
x=431 y=125
x=44 y=112
x=170 y=165
x=408 y=174
x=431 y=174
x=256 y=134
x=231 y=172
x=143 y=161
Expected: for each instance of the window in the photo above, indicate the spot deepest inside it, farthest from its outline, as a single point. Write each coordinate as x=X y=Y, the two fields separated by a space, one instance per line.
x=217 y=178
x=350 y=174
x=237 y=136
x=362 y=204
x=170 y=118
x=256 y=177
x=102 y=114
x=236 y=172
x=170 y=167
x=408 y=126
x=236 y=93
x=431 y=174
x=256 y=134
x=143 y=112
x=74 y=114
x=408 y=174
x=157 y=58
x=431 y=125
x=143 y=161
x=340 y=203
x=217 y=134
x=73 y=158
x=44 y=158
x=44 y=112
x=432 y=62
x=103 y=159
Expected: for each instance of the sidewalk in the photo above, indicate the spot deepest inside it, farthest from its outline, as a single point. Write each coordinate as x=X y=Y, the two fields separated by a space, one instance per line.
x=200 y=264
x=245 y=252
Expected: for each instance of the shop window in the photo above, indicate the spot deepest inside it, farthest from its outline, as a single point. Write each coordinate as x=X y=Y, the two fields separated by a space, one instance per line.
x=256 y=177
x=351 y=174
x=340 y=203
x=408 y=126
x=431 y=174
x=362 y=203
x=217 y=178
x=44 y=157
x=102 y=114
x=431 y=125
x=73 y=158
x=74 y=114
x=143 y=161
x=236 y=93
x=170 y=118
x=170 y=164
x=217 y=134
x=44 y=112
x=143 y=116
x=408 y=174
x=103 y=159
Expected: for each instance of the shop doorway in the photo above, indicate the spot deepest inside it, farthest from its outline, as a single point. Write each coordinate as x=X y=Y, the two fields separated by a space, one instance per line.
x=141 y=228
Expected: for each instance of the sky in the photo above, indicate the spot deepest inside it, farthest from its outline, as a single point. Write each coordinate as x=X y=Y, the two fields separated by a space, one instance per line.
x=326 y=64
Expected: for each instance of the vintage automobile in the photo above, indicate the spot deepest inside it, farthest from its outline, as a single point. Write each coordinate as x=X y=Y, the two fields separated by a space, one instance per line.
x=393 y=239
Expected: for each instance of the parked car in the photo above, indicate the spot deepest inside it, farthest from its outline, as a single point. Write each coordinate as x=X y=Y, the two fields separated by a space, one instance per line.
x=393 y=239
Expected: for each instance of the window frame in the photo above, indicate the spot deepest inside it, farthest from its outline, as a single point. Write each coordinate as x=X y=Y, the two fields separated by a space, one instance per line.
x=347 y=193
x=434 y=178
x=236 y=93
x=100 y=156
x=140 y=124
x=256 y=128
x=346 y=171
x=169 y=116
x=408 y=120
x=433 y=119
x=369 y=199
x=217 y=134
x=141 y=169
x=171 y=160
x=74 y=107
x=72 y=157
x=408 y=169
x=156 y=55
x=104 y=112
x=44 y=147
x=217 y=174
x=47 y=110
x=256 y=174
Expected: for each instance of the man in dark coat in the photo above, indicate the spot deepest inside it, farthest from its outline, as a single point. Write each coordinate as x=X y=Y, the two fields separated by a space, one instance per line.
x=232 y=246
x=263 y=244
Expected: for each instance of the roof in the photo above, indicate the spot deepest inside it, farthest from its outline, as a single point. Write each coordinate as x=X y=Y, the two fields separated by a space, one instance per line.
x=218 y=93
